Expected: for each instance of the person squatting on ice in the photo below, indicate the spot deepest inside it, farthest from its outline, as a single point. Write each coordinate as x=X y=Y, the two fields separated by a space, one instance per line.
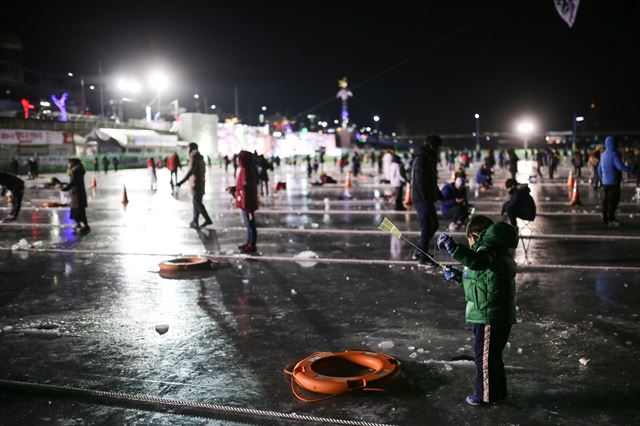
x=16 y=185
x=455 y=206
x=610 y=170
x=78 y=196
x=196 y=176
x=247 y=198
x=520 y=205
x=488 y=279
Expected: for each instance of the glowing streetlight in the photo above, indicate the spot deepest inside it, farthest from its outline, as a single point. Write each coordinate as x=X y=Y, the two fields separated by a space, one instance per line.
x=263 y=108
x=196 y=96
x=376 y=118
x=213 y=107
x=158 y=81
x=525 y=128
x=92 y=87
x=70 y=74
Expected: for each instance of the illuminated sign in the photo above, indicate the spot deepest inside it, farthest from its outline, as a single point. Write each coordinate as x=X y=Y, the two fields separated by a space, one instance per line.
x=61 y=104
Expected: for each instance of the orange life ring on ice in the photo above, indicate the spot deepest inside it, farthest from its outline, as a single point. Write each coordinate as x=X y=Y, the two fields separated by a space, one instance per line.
x=185 y=264
x=325 y=372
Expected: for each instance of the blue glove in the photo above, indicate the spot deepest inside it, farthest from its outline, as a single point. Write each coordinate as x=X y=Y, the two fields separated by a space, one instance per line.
x=451 y=273
x=447 y=242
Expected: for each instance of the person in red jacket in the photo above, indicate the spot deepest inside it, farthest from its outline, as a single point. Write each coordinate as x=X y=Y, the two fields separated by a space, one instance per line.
x=173 y=164
x=247 y=198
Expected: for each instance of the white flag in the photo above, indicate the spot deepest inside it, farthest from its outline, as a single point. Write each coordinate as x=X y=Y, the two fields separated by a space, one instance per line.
x=567 y=10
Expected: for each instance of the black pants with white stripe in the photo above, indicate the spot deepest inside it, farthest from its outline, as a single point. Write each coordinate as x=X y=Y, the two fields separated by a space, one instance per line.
x=490 y=340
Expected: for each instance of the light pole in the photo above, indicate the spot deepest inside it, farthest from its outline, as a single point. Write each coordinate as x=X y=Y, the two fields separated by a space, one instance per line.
x=525 y=128
x=159 y=82
x=196 y=101
x=376 y=119
x=574 y=133
x=263 y=108
x=477 y=116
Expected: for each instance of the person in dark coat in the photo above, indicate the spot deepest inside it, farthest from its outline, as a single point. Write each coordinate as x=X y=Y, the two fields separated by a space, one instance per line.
x=425 y=193
x=105 y=164
x=455 y=206
x=196 y=176
x=96 y=165
x=78 y=195
x=14 y=166
x=513 y=163
x=16 y=185
x=521 y=204
x=246 y=195
x=264 y=166
x=115 y=163
x=32 y=169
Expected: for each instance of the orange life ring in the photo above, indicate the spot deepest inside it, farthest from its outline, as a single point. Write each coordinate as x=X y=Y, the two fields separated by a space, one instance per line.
x=379 y=371
x=185 y=264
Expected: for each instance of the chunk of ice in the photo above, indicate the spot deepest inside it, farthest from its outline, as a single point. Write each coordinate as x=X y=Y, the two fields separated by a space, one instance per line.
x=386 y=344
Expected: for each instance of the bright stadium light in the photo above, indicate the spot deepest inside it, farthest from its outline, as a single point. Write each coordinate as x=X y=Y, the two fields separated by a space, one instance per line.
x=158 y=80
x=525 y=127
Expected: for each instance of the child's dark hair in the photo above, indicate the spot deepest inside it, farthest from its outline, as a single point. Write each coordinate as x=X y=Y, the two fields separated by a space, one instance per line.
x=510 y=183
x=477 y=224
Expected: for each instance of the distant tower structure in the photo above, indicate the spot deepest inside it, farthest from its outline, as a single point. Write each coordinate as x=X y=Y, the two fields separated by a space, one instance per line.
x=344 y=94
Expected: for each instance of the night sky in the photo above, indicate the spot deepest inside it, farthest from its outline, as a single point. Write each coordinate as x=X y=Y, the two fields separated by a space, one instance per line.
x=501 y=59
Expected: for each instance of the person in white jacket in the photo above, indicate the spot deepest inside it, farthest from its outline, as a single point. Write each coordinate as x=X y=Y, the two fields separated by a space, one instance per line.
x=398 y=178
x=386 y=163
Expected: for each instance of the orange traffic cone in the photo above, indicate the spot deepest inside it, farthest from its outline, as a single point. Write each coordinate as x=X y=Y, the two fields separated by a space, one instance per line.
x=94 y=183
x=575 y=195
x=407 y=196
x=570 y=181
x=125 y=198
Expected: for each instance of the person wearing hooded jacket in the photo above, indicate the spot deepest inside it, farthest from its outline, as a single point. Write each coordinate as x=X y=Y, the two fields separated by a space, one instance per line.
x=425 y=192
x=78 y=195
x=197 y=179
x=488 y=279
x=246 y=195
x=610 y=170
x=16 y=185
x=520 y=204
x=455 y=205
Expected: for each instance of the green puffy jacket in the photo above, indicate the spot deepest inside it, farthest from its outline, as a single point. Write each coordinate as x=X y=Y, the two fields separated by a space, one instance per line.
x=488 y=276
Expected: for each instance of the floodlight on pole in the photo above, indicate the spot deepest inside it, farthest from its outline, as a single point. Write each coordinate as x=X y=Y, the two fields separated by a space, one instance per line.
x=477 y=132
x=525 y=128
x=213 y=107
x=579 y=118
x=70 y=74
x=196 y=96
x=263 y=108
x=159 y=82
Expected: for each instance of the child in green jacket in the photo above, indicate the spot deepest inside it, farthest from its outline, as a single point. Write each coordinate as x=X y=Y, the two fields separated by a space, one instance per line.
x=489 y=288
